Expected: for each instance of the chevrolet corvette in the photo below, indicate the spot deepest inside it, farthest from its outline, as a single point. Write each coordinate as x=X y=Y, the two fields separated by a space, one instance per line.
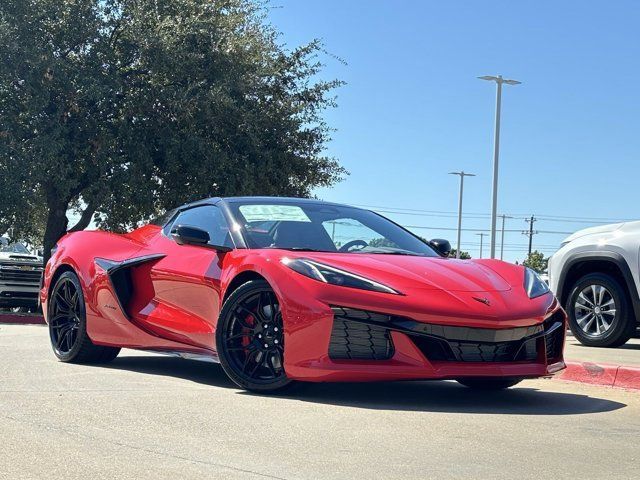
x=279 y=290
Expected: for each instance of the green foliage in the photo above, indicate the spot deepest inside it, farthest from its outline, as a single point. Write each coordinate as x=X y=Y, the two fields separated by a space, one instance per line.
x=129 y=107
x=463 y=255
x=536 y=261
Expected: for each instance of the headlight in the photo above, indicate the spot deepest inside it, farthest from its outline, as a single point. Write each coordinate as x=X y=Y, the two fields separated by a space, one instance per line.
x=334 y=276
x=533 y=284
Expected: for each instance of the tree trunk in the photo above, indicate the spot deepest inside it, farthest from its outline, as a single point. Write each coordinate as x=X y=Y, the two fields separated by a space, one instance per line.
x=56 y=226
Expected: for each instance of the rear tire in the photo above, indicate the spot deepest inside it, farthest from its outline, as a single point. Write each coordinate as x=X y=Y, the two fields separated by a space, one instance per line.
x=68 y=325
x=250 y=338
x=489 y=383
x=613 y=325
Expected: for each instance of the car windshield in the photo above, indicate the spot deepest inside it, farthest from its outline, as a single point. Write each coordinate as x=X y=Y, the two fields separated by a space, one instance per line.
x=308 y=226
x=16 y=247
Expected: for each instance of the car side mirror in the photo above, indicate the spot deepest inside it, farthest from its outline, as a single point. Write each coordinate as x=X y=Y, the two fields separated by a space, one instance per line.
x=442 y=247
x=187 y=235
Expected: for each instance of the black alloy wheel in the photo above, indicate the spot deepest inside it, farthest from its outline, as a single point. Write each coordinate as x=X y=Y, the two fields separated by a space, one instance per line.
x=64 y=320
x=68 y=324
x=250 y=338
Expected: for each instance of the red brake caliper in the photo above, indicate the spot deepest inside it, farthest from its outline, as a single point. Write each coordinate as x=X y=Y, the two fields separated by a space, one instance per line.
x=249 y=320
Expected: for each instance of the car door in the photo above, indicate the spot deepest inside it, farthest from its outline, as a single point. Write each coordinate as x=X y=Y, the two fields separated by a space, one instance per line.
x=186 y=281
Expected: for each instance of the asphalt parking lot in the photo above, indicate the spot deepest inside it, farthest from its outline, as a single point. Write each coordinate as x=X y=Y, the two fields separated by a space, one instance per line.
x=627 y=354
x=148 y=416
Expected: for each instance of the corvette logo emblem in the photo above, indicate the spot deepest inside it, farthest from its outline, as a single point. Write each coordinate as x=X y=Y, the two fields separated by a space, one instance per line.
x=482 y=300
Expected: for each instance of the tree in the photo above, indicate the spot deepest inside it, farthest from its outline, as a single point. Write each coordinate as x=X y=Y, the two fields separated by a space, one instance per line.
x=463 y=255
x=120 y=109
x=536 y=261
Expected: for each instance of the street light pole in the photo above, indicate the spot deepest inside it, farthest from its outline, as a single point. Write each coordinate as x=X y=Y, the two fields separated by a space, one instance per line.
x=461 y=174
x=496 y=154
x=482 y=235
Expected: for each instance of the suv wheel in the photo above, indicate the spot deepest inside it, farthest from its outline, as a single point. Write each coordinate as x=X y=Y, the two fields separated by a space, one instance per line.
x=599 y=311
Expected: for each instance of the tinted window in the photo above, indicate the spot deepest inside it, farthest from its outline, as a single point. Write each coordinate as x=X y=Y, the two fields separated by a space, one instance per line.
x=7 y=247
x=207 y=218
x=323 y=227
x=162 y=220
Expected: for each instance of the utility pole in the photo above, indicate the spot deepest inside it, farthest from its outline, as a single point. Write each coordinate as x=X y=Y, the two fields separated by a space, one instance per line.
x=496 y=154
x=462 y=174
x=482 y=235
x=502 y=235
x=531 y=232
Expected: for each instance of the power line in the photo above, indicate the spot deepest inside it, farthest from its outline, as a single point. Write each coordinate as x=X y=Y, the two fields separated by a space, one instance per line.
x=426 y=213
x=541 y=216
x=423 y=227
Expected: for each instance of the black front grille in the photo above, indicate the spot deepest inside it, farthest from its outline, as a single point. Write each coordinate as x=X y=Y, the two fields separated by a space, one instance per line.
x=486 y=352
x=30 y=277
x=359 y=334
x=445 y=350
x=353 y=340
x=17 y=273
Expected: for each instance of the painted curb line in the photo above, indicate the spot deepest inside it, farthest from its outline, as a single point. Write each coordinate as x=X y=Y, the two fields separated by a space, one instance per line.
x=601 y=374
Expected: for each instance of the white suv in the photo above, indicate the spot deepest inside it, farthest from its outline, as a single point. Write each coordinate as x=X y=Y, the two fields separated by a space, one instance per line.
x=595 y=276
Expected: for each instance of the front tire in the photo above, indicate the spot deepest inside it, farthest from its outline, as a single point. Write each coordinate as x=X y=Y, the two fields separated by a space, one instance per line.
x=489 y=383
x=68 y=325
x=250 y=338
x=599 y=311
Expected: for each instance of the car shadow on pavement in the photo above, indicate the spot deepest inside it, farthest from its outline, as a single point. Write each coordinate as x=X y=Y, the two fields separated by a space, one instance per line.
x=450 y=397
x=205 y=373
x=428 y=396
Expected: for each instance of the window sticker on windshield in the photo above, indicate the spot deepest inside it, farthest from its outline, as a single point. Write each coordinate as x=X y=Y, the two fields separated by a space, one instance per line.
x=273 y=213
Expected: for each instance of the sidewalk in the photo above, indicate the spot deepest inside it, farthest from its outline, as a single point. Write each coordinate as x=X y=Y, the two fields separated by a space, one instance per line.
x=612 y=367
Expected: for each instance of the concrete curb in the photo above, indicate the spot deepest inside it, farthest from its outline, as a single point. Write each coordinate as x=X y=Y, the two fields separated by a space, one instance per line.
x=21 y=319
x=601 y=374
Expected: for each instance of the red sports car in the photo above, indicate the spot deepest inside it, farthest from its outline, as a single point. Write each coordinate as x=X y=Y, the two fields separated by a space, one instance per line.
x=279 y=290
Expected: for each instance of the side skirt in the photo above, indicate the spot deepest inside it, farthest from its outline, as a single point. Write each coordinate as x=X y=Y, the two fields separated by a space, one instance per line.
x=199 y=357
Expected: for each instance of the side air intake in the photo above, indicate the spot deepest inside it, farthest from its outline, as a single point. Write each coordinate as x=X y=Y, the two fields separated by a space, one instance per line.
x=120 y=276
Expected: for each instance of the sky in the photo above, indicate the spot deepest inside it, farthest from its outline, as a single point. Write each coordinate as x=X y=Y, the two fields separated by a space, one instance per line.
x=413 y=110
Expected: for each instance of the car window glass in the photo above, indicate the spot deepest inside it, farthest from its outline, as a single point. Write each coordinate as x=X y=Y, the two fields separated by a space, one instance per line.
x=346 y=230
x=207 y=218
x=7 y=247
x=322 y=227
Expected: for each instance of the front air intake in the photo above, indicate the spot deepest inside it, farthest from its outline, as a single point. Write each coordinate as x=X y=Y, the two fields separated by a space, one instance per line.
x=353 y=340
